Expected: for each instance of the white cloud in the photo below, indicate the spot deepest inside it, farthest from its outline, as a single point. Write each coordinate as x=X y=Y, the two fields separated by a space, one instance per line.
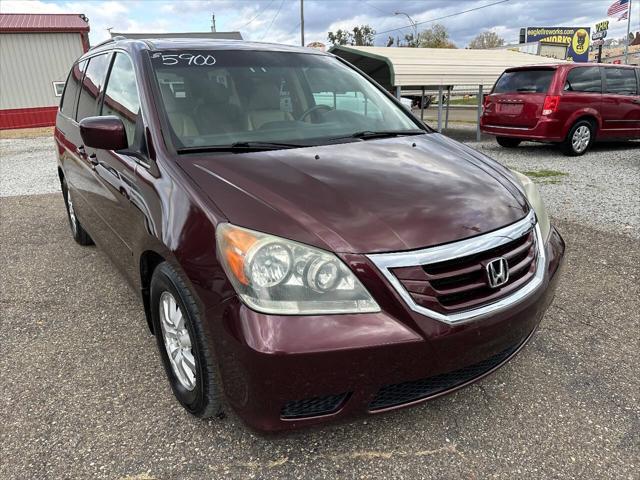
x=253 y=17
x=35 y=6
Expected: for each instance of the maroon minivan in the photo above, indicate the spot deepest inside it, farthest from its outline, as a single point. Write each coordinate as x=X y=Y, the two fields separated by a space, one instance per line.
x=570 y=104
x=298 y=239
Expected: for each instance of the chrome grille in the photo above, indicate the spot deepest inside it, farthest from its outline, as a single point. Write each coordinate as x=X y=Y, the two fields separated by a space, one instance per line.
x=449 y=282
x=461 y=283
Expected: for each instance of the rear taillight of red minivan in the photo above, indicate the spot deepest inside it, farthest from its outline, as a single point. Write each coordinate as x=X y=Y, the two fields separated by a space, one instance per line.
x=551 y=103
x=486 y=103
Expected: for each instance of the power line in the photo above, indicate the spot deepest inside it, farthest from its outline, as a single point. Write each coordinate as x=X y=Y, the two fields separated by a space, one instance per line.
x=273 y=20
x=377 y=8
x=257 y=15
x=442 y=18
x=385 y=20
x=294 y=28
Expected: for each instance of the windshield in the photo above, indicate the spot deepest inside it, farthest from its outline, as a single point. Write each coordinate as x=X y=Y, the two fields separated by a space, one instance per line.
x=223 y=97
x=524 y=81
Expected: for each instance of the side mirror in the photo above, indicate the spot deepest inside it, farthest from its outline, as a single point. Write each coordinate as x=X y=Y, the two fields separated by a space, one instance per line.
x=106 y=133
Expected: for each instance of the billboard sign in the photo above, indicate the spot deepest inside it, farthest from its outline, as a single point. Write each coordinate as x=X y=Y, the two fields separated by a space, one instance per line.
x=599 y=35
x=575 y=39
x=601 y=30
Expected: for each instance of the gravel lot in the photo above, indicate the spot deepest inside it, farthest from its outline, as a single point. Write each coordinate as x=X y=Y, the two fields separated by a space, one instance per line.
x=84 y=394
x=28 y=166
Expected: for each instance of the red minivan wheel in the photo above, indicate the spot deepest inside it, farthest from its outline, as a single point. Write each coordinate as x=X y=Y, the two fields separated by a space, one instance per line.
x=80 y=235
x=185 y=352
x=579 y=138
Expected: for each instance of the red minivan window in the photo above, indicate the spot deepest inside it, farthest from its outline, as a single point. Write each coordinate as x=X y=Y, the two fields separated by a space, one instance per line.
x=524 y=81
x=584 y=79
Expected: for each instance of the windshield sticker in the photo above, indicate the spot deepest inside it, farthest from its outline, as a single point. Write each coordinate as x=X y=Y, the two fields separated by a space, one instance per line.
x=184 y=59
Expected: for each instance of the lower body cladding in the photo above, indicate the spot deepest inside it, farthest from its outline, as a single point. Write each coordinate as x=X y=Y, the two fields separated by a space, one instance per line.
x=286 y=372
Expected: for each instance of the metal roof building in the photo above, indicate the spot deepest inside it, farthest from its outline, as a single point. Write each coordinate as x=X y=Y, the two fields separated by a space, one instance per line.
x=36 y=53
x=411 y=68
x=403 y=69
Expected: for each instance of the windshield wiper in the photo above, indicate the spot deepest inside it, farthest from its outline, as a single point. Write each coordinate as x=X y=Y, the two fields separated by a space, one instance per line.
x=240 y=147
x=370 y=134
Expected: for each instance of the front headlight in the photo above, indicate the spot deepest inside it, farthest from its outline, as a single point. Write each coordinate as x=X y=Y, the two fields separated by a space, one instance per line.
x=532 y=194
x=279 y=276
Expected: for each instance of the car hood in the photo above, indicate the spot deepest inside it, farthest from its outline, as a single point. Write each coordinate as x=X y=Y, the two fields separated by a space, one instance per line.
x=362 y=197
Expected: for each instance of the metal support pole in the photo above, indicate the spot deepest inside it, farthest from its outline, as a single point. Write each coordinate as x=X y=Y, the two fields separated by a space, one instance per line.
x=446 y=118
x=422 y=105
x=478 y=132
x=440 y=108
x=302 y=23
x=626 y=46
x=398 y=95
x=600 y=53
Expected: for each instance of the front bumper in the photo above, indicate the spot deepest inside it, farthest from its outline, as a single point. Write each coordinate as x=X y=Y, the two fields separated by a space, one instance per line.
x=546 y=130
x=285 y=372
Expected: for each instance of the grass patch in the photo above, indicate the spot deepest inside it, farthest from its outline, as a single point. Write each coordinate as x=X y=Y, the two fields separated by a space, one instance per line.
x=544 y=174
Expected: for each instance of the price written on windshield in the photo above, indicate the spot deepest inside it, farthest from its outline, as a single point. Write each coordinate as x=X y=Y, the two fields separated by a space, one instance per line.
x=199 y=60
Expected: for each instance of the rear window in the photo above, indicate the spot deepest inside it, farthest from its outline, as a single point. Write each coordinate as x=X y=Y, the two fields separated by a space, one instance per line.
x=621 y=81
x=92 y=85
x=584 y=79
x=524 y=81
x=70 y=95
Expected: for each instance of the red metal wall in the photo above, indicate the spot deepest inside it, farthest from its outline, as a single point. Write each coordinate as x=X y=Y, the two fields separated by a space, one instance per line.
x=28 y=117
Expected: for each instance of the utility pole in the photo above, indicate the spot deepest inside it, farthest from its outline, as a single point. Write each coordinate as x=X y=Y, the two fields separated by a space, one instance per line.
x=626 y=46
x=302 y=23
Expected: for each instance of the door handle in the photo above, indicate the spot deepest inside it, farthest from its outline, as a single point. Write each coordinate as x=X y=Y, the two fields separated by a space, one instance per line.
x=636 y=100
x=93 y=159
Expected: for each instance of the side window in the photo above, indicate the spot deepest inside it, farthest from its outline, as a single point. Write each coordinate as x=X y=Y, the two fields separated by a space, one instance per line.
x=587 y=79
x=70 y=95
x=621 y=81
x=91 y=85
x=121 y=95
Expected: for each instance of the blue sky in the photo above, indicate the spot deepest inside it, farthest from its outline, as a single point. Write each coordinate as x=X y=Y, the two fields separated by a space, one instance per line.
x=278 y=20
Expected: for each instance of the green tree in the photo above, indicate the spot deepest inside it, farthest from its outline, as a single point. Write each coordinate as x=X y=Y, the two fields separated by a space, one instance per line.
x=487 y=40
x=362 y=35
x=341 y=37
x=435 y=37
x=409 y=41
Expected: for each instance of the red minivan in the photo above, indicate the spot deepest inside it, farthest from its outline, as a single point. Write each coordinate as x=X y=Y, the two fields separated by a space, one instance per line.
x=302 y=245
x=570 y=104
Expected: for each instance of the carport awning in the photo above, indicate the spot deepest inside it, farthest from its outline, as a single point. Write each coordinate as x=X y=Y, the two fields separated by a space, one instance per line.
x=433 y=67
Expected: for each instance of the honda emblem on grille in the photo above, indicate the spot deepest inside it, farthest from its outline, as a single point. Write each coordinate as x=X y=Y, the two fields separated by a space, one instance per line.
x=497 y=272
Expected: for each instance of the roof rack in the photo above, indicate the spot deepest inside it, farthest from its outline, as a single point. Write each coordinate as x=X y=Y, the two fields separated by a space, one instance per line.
x=109 y=40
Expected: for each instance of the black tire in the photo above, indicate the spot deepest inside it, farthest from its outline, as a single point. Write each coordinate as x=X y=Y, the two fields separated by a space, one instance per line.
x=79 y=234
x=508 y=142
x=205 y=398
x=571 y=145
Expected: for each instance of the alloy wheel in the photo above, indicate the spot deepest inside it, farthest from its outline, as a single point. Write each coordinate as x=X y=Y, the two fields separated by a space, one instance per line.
x=72 y=215
x=177 y=341
x=581 y=138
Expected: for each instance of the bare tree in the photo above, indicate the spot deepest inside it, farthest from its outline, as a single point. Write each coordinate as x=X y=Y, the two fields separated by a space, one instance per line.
x=487 y=39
